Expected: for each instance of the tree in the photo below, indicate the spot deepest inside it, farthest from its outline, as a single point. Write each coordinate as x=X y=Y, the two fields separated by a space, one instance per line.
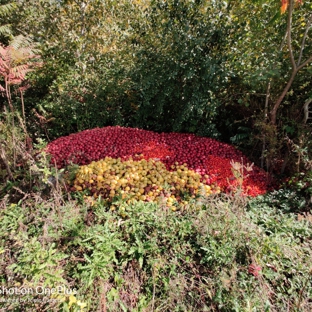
x=262 y=85
x=298 y=64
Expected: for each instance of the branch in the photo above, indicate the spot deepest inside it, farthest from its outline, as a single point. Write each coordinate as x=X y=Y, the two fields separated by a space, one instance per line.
x=305 y=63
x=306 y=110
x=283 y=41
x=289 y=25
x=303 y=40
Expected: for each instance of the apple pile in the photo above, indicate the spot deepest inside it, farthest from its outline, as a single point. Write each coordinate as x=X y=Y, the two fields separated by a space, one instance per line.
x=146 y=180
x=207 y=157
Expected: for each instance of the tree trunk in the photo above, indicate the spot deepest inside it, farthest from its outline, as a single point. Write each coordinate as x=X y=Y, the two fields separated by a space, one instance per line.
x=277 y=104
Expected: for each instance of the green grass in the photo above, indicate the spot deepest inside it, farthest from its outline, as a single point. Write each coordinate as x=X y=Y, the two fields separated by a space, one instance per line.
x=153 y=259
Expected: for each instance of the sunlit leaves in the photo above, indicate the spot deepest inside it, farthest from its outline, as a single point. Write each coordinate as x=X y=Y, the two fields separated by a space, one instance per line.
x=285 y=4
x=5 y=11
x=16 y=60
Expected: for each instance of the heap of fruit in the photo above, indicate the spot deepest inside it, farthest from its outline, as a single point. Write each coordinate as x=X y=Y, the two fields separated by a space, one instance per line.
x=202 y=157
x=230 y=175
x=146 y=180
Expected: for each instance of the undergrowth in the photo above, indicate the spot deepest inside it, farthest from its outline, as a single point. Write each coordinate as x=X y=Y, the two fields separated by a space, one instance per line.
x=220 y=254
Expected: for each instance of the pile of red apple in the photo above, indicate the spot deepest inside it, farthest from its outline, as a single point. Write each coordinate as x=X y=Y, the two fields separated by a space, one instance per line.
x=206 y=156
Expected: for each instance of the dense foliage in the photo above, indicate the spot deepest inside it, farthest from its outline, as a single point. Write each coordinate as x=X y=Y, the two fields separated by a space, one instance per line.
x=215 y=68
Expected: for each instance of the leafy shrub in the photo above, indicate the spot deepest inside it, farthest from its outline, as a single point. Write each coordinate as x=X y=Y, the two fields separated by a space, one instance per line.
x=179 y=69
x=293 y=196
x=160 y=68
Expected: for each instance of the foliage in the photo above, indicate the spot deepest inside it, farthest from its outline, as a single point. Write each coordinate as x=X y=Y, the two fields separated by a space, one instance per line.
x=295 y=191
x=286 y=199
x=179 y=66
x=215 y=256
x=137 y=62
x=261 y=67
x=6 y=10
x=218 y=253
x=85 y=63
x=22 y=168
x=16 y=60
x=13 y=150
x=211 y=68
x=197 y=66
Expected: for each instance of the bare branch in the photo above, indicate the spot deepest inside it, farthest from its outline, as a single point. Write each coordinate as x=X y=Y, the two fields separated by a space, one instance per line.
x=309 y=60
x=283 y=41
x=289 y=25
x=306 y=110
x=303 y=40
